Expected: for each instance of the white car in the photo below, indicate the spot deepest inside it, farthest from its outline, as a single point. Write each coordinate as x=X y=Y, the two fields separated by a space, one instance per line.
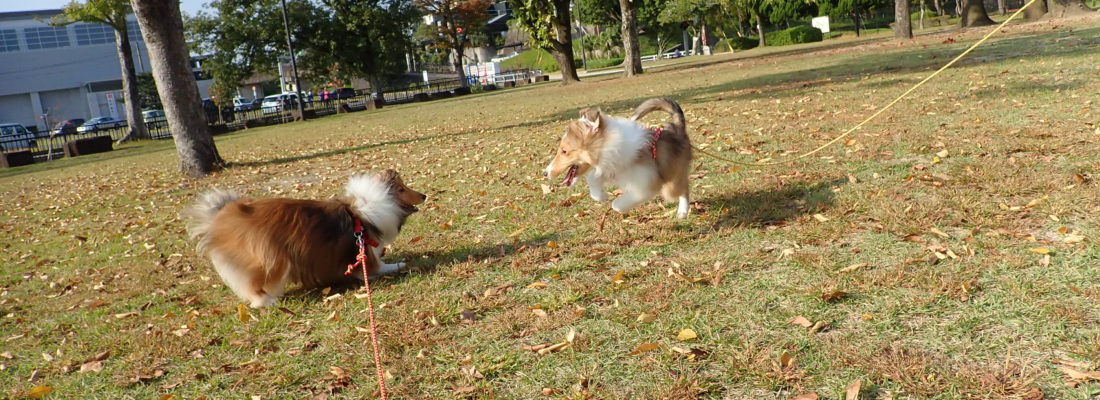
x=100 y=123
x=279 y=102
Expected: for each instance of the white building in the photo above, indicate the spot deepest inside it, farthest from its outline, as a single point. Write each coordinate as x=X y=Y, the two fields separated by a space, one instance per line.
x=68 y=71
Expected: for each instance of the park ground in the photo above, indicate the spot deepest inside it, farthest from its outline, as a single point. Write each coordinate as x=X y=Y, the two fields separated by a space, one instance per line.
x=944 y=251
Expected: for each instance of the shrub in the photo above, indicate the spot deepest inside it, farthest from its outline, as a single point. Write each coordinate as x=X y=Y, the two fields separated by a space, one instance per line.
x=602 y=63
x=796 y=35
x=927 y=14
x=737 y=43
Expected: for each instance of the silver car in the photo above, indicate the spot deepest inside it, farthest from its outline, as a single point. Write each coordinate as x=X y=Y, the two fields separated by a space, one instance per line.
x=100 y=123
x=16 y=137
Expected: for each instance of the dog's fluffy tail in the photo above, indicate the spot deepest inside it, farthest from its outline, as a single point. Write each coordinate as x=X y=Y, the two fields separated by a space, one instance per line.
x=202 y=213
x=663 y=104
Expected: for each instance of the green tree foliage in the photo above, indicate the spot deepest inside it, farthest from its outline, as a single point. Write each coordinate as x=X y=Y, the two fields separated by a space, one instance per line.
x=362 y=39
x=147 y=92
x=334 y=40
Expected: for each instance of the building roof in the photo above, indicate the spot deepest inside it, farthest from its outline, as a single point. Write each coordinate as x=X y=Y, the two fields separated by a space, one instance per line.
x=22 y=15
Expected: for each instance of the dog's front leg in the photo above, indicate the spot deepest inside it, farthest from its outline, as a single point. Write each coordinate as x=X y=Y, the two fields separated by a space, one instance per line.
x=628 y=200
x=595 y=187
x=384 y=268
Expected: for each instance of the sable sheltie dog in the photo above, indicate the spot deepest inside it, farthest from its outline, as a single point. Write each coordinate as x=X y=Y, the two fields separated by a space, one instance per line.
x=260 y=245
x=617 y=151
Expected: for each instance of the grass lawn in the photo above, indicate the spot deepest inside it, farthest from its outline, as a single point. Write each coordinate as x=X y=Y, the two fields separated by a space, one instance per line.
x=946 y=251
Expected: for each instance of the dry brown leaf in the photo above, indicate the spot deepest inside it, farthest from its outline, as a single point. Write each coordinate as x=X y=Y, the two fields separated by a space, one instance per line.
x=686 y=334
x=851 y=268
x=830 y=297
x=644 y=348
x=646 y=318
x=806 y=396
x=242 y=313
x=1039 y=250
x=852 y=392
x=537 y=285
x=800 y=320
x=820 y=218
x=1080 y=376
x=619 y=277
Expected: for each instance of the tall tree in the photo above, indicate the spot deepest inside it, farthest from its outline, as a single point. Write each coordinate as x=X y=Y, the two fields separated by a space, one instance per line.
x=113 y=14
x=245 y=38
x=162 y=27
x=547 y=22
x=361 y=39
x=632 y=54
x=1062 y=8
x=456 y=19
x=903 y=27
x=691 y=15
x=974 y=14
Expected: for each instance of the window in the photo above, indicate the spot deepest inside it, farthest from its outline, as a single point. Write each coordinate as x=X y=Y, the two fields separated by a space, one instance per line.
x=89 y=34
x=133 y=31
x=46 y=38
x=8 y=41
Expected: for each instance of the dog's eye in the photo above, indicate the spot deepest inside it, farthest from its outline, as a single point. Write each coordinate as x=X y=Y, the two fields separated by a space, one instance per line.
x=564 y=152
x=402 y=190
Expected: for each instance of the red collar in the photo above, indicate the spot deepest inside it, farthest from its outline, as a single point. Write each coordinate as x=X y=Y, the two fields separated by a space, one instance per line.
x=360 y=240
x=656 y=138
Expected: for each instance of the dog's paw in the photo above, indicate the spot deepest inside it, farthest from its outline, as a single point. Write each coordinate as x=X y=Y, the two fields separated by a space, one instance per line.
x=620 y=205
x=681 y=214
x=262 y=301
x=600 y=197
x=390 y=268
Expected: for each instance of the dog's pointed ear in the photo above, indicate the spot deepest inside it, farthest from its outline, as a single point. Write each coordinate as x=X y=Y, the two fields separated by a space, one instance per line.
x=388 y=175
x=593 y=119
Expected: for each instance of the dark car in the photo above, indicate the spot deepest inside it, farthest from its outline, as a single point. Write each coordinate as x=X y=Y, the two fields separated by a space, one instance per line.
x=96 y=124
x=67 y=126
x=341 y=93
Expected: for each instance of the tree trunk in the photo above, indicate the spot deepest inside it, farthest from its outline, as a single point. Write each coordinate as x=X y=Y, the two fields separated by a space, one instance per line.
x=973 y=14
x=632 y=60
x=921 y=20
x=938 y=4
x=137 y=129
x=457 y=63
x=1062 y=8
x=1036 y=11
x=1001 y=7
x=168 y=54
x=563 y=44
x=903 y=29
x=759 y=27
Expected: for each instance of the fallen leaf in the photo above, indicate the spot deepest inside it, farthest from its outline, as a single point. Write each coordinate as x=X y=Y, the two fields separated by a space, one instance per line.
x=646 y=318
x=800 y=320
x=1080 y=376
x=537 y=285
x=539 y=312
x=852 y=392
x=39 y=392
x=686 y=334
x=1039 y=250
x=242 y=313
x=819 y=326
x=333 y=317
x=644 y=348
x=468 y=316
x=786 y=360
x=571 y=336
x=552 y=244
x=91 y=366
x=820 y=218
x=833 y=296
x=619 y=277
x=806 y=396
x=851 y=268
x=545 y=188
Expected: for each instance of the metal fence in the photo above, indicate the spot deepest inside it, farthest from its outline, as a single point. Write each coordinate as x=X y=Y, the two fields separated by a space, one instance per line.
x=46 y=146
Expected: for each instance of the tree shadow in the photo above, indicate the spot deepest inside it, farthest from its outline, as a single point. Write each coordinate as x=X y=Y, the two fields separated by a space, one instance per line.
x=774 y=207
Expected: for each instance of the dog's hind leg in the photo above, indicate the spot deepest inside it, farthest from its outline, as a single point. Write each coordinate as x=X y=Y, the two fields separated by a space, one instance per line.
x=677 y=190
x=629 y=200
x=247 y=283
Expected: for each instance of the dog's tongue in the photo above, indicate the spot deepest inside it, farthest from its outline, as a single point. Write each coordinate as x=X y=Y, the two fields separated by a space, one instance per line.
x=570 y=176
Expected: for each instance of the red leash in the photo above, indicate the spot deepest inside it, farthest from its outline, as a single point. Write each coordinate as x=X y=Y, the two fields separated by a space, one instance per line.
x=361 y=261
x=656 y=138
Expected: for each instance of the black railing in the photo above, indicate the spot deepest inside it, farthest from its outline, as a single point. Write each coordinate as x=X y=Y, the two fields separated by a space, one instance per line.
x=45 y=146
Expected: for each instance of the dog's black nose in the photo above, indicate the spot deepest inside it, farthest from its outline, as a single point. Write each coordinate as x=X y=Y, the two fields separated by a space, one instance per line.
x=544 y=173
x=423 y=197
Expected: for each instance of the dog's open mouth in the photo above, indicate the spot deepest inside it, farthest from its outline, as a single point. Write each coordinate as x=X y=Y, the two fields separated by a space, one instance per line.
x=570 y=176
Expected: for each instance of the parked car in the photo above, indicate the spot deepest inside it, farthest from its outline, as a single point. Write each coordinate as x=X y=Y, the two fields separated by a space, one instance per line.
x=341 y=93
x=243 y=104
x=67 y=126
x=96 y=124
x=279 y=102
x=154 y=118
x=16 y=137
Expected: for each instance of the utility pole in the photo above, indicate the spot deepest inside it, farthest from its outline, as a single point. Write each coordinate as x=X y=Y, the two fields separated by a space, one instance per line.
x=293 y=66
x=584 y=55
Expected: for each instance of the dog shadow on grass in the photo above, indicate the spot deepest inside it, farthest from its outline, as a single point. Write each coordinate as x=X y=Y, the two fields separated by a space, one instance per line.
x=774 y=207
x=428 y=262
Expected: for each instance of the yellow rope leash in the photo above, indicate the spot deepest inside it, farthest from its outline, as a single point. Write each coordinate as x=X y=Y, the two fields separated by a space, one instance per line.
x=881 y=110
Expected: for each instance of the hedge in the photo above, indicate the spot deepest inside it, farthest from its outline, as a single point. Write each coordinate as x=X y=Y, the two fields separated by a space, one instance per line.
x=796 y=35
x=737 y=43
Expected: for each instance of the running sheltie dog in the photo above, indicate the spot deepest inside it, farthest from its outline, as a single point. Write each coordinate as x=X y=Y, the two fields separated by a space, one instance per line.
x=260 y=245
x=609 y=150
